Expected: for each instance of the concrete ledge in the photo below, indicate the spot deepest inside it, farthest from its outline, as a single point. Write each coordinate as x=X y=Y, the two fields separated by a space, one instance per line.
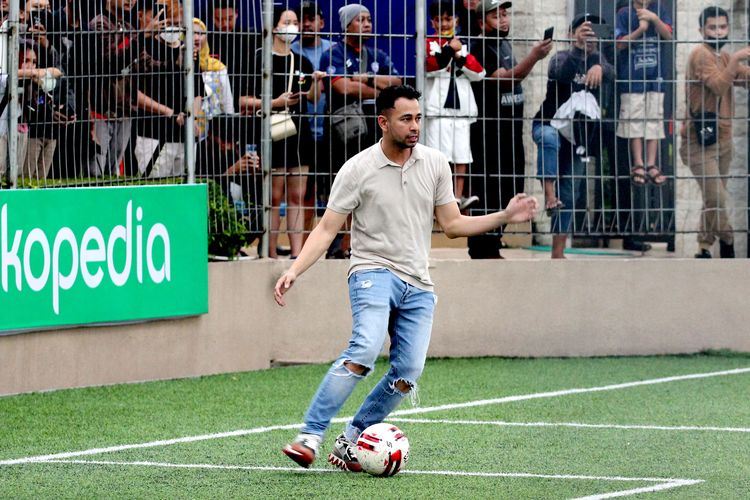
x=489 y=308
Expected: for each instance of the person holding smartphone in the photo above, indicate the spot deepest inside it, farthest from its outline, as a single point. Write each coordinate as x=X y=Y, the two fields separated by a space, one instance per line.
x=290 y=156
x=560 y=168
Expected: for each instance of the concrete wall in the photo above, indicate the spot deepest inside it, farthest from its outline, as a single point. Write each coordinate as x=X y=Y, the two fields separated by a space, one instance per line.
x=511 y=308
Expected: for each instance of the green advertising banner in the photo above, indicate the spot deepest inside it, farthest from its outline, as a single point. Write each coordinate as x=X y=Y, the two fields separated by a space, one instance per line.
x=101 y=255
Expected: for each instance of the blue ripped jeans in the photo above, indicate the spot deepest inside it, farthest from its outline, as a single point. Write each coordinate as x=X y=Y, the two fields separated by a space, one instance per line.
x=381 y=304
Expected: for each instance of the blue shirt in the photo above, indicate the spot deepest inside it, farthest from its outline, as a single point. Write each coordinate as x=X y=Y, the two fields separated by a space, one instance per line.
x=315 y=54
x=345 y=60
x=639 y=66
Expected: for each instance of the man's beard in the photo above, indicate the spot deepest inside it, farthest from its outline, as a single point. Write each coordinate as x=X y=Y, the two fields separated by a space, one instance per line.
x=716 y=42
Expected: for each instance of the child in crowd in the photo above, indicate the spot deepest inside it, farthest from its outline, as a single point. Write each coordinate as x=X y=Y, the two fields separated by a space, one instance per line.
x=450 y=107
x=639 y=30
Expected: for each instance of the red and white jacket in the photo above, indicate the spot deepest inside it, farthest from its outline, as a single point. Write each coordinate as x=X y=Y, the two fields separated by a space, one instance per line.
x=442 y=67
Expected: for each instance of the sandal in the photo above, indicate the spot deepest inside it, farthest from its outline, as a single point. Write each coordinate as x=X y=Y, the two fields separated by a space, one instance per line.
x=638 y=176
x=654 y=174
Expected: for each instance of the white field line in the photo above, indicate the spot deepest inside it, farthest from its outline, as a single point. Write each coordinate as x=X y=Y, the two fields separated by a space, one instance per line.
x=408 y=471
x=648 y=489
x=469 y=404
x=568 y=392
x=662 y=483
x=500 y=423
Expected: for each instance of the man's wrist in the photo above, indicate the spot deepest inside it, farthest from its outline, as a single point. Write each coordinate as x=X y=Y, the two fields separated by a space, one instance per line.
x=501 y=218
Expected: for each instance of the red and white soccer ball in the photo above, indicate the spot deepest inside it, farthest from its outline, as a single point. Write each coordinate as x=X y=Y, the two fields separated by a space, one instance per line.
x=382 y=449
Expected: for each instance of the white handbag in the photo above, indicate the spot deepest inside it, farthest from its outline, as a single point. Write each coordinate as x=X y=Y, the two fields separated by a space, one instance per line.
x=282 y=125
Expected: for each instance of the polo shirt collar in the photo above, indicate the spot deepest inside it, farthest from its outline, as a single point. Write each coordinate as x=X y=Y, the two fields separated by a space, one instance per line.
x=383 y=161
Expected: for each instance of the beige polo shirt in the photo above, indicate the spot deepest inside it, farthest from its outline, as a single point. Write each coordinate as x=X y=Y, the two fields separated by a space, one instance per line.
x=392 y=209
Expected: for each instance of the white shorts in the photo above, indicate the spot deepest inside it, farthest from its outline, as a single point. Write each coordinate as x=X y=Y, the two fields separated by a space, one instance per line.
x=450 y=136
x=170 y=162
x=641 y=116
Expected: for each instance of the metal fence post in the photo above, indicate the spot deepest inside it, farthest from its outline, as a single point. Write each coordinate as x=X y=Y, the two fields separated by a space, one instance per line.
x=420 y=23
x=13 y=108
x=265 y=140
x=187 y=19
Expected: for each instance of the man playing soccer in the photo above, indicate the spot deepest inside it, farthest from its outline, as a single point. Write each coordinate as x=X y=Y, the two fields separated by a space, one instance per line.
x=392 y=190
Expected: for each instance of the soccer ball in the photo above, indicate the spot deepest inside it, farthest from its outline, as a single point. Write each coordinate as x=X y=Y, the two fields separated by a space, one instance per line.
x=382 y=449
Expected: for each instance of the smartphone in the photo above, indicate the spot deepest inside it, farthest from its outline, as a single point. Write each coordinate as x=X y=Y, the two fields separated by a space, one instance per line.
x=548 y=33
x=603 y=31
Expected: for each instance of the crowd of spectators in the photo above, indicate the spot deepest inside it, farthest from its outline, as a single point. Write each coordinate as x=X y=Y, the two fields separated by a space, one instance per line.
x=102 y=94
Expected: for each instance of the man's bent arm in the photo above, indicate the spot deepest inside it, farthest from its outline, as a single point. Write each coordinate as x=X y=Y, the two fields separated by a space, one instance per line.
x=521 y=208
x=456 y=225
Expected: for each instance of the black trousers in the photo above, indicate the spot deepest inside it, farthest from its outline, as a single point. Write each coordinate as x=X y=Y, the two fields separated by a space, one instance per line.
x=496 y=176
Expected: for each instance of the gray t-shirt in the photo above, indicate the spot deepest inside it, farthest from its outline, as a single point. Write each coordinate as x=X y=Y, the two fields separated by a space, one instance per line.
x=392 y=209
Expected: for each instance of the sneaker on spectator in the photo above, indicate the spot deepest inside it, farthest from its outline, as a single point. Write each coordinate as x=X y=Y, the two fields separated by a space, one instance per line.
x=465 y=202
x=703 y=254
x=343 y=455
x=303 y=449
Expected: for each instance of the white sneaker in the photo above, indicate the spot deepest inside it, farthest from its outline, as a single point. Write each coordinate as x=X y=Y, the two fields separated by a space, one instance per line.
x=303 y=449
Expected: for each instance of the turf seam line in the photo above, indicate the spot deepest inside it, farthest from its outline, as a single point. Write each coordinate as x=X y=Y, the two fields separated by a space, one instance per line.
x=413 y=411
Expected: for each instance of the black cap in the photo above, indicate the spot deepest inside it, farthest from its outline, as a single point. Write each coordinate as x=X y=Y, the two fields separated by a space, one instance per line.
x=309 y=7
x=582 y=18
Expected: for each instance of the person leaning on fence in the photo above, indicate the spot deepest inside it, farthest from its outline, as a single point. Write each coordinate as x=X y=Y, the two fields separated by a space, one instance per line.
x=118 y=56
x=70 y=36
x=159 y=148
x=295 y=82
x=575 y=79
x=356 y=74
x=450 y=107
x=707 y=130
x=394 y=190
x=641 y=74
x=39 y=96
x=499 y=169
x=38 y=111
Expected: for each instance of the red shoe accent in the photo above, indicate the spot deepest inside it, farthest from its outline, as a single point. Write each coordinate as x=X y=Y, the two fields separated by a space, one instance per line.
x=302 y=455
x=341 y=464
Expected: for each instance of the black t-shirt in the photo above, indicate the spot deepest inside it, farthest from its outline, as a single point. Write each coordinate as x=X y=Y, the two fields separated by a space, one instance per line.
x=302 y=79
x=496 y=99
x=166 y=86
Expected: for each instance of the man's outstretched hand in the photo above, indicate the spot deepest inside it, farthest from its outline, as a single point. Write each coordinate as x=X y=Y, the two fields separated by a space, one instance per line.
x=282 y=286
x=521 y=208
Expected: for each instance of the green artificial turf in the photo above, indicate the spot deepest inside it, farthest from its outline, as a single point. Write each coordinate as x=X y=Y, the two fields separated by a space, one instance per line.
x=486 y=439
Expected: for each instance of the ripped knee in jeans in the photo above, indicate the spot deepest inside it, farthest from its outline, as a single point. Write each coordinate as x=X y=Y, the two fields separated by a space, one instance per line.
x=348 y=368
x=406 y=387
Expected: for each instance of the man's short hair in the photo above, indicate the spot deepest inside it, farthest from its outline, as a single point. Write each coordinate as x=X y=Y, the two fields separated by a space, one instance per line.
x=714 y=11
x=440 y=7
x=389 y=95
x=311 y=8
x=224 y=4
